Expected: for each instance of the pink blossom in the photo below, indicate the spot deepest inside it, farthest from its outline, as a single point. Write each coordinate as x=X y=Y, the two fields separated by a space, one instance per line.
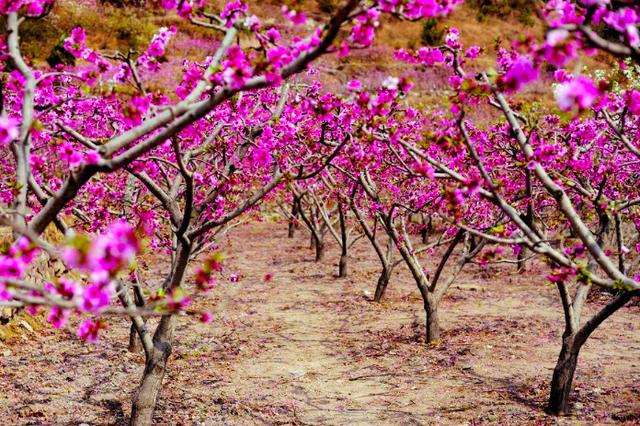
x=298 y=18
x=632 y=99
x=624 y=20
x=561 y=275
x=354 y=85
x=75 y=43
x=580 y=93
x=176 y=300
x=232 y=11
x=237 y=68
x=424 y=168
x=363 y=31
x=89 y=330
x=58 y=316
x=63 y=288
x=521 y=72
x=452 y=39
x=559 y=48
x=343 y=51
x=430 y=57
x=8 y=130
x=11 y=267
x=273 y=35
x=96 y=297
x=156 y=48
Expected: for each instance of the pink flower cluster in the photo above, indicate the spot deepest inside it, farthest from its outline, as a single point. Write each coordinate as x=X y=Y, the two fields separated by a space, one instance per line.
x=31 y=7
x=364 y=30
x=416 y=9
x=75 y=44
x=9 y=130
x=580 y=93
x=297 y=18
x=149 y=59
x=232 y=11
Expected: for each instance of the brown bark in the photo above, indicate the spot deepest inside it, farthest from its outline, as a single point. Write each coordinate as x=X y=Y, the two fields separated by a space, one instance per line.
x=563 y=377
x=572 y=342
x=145 y=399
x=432 y=321
x=319 y=246
x=383 y=281
x=135 y=343
x=343 y=266
x=294 y=217
x=344 y=244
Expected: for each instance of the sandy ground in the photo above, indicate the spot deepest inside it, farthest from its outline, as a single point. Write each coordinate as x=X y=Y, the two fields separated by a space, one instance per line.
x=307 y=348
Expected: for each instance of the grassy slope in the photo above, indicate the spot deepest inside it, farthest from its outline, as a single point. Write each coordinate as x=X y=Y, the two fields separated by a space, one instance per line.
x=110 y=27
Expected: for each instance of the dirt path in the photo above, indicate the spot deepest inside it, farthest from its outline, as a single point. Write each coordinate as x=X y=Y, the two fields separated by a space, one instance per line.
x=307 y=348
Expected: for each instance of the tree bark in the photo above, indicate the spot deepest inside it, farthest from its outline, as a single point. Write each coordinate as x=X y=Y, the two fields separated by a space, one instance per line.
x=344 y=243
x=319 y=246
x=145 y=399
x=425 y=230
x=521 y=265
x=383 y=281
x=343 y=267
x=135 y=344
x=292 y=229
x=294 y=217
x=563 y=377
x=572 y=342
x=432 y=321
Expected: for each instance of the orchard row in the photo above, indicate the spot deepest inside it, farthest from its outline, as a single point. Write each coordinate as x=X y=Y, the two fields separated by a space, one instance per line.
x=122 y=170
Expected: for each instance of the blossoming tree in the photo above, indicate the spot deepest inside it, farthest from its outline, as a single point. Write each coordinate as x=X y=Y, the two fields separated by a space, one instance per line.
x=93 y=149
x=562 y=185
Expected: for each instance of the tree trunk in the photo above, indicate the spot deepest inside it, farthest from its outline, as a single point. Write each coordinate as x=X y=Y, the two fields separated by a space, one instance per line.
x=344 y=243
x=294 y=217
x=383 y=281
x=319 y=245
x=144 y=401
x=432 y=322
x=135 y=344
x=572 y=342
x=563 y=377
x=343 y=266
x=521 y=265
x=425 y=230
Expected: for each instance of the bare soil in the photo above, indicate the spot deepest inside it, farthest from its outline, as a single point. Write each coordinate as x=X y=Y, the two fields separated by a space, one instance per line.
x=308 y=348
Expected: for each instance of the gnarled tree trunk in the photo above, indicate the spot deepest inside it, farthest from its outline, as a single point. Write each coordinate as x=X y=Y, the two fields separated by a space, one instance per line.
x=563 y=376
x=573 y=339
x=145 y=399
x=383 y=281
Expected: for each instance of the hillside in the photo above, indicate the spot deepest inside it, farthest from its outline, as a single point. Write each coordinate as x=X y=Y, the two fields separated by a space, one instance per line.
x=128 y=27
